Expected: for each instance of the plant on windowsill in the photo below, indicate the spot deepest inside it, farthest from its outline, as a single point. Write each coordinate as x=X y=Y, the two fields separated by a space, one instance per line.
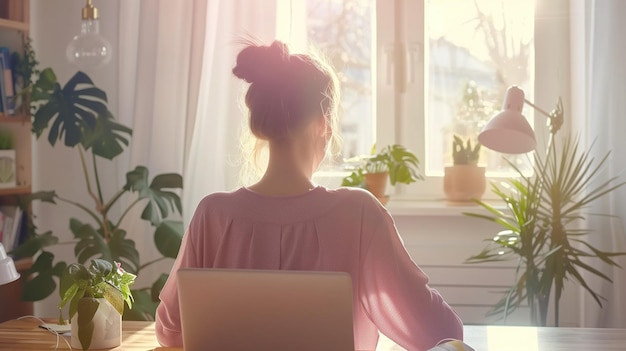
x=464 y=180
x=394 y=163
x=542 y=226
x=96 y=295
x=77 y=115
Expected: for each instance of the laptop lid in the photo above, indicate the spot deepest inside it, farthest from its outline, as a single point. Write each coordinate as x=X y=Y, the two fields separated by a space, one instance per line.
x=236 y=310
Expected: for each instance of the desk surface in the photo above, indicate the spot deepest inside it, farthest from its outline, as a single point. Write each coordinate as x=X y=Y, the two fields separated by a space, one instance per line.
x=25 y=334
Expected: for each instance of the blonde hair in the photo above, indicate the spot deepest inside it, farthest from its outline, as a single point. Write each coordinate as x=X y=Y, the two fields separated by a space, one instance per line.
x=286 y=92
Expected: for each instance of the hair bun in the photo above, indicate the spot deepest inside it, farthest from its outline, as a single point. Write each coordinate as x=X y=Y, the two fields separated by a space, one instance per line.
x=261 y=63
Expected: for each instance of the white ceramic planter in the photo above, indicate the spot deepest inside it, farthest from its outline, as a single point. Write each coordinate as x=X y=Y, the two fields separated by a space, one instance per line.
x=107 y=332
x=7 y=169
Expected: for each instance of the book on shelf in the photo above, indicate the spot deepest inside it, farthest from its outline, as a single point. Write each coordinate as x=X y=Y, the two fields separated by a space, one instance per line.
x=7 y=86
x=12 y=226
x=4 y=103
x=2 y=217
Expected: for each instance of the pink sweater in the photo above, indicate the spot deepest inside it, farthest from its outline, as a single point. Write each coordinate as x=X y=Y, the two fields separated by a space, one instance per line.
x=323 y=230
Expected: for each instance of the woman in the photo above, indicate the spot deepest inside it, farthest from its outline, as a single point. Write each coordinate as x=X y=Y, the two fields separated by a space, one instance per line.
x=284 y=221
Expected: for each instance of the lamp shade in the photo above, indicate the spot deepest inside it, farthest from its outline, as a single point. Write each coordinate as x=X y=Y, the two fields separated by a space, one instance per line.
x=509 y=132
x=8 y=273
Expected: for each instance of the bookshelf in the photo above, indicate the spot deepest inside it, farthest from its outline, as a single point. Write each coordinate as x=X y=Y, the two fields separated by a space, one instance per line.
x=14 y=29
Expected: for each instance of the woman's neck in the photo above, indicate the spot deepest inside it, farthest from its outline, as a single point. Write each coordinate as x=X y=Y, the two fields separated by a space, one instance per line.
x=288 y=172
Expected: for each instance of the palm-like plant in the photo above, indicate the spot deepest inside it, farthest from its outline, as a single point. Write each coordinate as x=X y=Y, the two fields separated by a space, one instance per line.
x=541 y=229
x=77 y=114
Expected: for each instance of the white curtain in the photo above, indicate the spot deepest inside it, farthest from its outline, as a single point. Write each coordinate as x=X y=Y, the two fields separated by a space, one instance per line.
x=214 y=154
x=178 y=94
x=599 y=109
x=159 y=58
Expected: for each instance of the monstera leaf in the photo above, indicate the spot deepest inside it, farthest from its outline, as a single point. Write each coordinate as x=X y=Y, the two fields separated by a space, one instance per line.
x=92 y=244
x=78 y=113
x=107 y=137
x=160 y=201
x=168 y=236
x=42 y=284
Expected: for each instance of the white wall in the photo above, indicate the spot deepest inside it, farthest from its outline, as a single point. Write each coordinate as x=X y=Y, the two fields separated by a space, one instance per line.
x=440 y=238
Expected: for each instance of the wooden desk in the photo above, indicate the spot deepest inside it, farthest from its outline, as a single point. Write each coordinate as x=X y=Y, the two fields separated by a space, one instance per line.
x=25 y=334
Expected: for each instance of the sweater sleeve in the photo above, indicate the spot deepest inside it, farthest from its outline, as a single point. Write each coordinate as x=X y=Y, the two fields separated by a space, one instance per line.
x=167 y=320
x=394 y=290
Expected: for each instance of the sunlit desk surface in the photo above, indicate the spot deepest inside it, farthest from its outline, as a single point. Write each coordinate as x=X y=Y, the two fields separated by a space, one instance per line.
x=25 y=334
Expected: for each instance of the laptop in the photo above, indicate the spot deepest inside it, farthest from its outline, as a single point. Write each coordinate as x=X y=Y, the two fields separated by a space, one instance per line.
x=257 y=310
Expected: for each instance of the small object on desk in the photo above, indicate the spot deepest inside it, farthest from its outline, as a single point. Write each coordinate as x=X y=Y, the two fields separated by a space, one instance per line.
x=57 y=328
x=452 y=345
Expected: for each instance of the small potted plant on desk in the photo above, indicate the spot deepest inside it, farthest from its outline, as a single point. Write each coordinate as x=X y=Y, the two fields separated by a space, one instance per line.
x=96 y=295
x=464 y=180
x=394 y=163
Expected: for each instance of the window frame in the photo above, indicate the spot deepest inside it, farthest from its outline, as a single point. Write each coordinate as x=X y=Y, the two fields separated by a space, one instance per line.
x=400 y=71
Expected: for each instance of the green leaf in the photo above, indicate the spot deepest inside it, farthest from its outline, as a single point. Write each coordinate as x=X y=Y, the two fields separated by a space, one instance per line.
x=68 y=294
x=108 y=138
x=74 y=302
x=160 y=201
x=157 y=286
x=39 y=287
x=354 y=179
x=42 y=284
x=101 y=268
x=87 y=308
x=124 y=250
x=90 y=243
x=65 y=283
x=35 y=244
x=115 y=298
x=144 y=309
x=168 y=237
x=78 y=272
x=46 y=80
x=44 y=196
x=72 y=110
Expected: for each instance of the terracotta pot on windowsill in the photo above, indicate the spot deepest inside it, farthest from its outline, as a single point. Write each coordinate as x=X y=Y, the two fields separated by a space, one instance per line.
x=376 y=183
x=462 y=183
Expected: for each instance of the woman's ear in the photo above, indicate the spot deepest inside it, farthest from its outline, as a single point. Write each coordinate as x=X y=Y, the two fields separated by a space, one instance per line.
x=323 y=129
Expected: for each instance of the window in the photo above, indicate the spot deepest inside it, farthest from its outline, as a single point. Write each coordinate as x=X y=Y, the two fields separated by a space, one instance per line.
x=416 y=72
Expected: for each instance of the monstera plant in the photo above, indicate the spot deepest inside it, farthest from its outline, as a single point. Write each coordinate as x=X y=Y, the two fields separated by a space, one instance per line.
x=77 y=116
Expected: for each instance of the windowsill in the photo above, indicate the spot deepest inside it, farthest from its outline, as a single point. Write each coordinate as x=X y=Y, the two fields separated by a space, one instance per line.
x=410 y=205
x=416 y=207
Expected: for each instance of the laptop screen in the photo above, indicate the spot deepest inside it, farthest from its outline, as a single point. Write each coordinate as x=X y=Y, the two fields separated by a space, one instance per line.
x=229 y=309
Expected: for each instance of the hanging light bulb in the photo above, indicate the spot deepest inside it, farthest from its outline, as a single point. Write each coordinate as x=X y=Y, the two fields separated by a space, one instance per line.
x=89 y=49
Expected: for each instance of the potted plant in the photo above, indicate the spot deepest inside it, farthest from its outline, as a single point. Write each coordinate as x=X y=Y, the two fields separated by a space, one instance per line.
x=541 y=229
x=7 y=160
x=77 y=116
x=96 y=297
x=394 y=163
x=464 y=180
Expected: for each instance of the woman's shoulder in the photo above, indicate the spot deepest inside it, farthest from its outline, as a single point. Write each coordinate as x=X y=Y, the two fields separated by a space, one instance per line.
x=317 y=203
x=220 y=199
x=355 y=196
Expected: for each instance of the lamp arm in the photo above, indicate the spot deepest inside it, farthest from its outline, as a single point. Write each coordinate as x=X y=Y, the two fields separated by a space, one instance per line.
x=543 y=112
x=555 y=117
